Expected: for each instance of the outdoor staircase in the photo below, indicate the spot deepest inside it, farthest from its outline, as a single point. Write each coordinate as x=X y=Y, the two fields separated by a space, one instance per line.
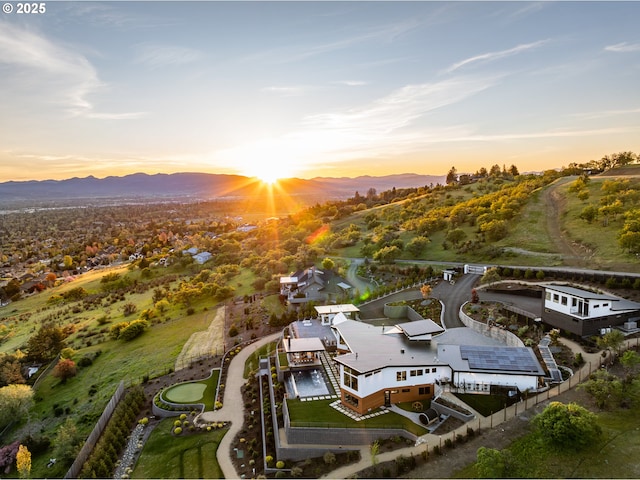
x=330 y=368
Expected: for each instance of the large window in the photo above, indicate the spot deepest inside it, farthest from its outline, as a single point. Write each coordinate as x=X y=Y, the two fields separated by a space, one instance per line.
x=416 y=373
x=401 y=376
x=350 y=378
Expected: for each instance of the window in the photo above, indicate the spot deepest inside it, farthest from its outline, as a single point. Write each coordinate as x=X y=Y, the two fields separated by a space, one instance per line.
x=574 y=302
x=556 y=297
x=406 y=390
x=350 y=378
x=424 y=391
x=433 y=370
x=563 y=300
x=401 y=376
x=416 y=373
x=605 y=305
x=351 y=399
x=547 y=295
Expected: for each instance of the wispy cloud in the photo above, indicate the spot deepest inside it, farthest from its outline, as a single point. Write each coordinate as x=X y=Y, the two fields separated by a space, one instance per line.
x=351 y=83
x=157 y=56
x=623 y=47
x=605 y=113
x=290 y=54
x=493 y=56
x=46 y=70
x=383 y=126
x=290 y=90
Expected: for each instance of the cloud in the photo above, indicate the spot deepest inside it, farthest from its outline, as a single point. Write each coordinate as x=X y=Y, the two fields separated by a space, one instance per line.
x=605 y=113
x=157 y=56
x=289 y=91
x=492 y=56
x=351 y=83
x=623 y=47
x=43 y=70
x=290 y=54
x=382 y=127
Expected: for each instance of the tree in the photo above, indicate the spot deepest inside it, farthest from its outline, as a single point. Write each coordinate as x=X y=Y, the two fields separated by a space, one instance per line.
x=328 y=264
x=67 y=442
x=23 y=461
x=606 y=389
x=456 y=236
x=416 y=245
x=46 y=343
x=15 y=402
x=490 y=463
x=589 y=213
x=425 y=290
x=65 y=369
x=612 y=341
x=630 y=361
x=567 y=425
x=452 y=176
x=387 y=254
x=490 y=276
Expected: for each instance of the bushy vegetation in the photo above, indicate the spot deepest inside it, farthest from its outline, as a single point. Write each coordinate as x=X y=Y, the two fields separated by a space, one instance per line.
x=105 y=454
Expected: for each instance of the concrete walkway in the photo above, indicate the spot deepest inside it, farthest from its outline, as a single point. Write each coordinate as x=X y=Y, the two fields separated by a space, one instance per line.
x=232 y=405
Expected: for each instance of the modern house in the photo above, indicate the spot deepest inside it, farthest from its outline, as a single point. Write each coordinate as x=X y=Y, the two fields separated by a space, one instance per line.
x=586 y=313
x=405 y=363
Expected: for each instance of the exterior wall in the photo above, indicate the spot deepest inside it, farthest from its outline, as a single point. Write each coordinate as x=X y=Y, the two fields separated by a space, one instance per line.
x=504 y=336
x=563 y=303
x=397 y=395
x=482 y=382
x=585 y=326
x=372 y=388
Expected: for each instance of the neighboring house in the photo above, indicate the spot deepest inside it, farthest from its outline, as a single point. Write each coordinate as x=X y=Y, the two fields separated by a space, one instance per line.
x=312 y=284
x=586 y=313
x=202 y=257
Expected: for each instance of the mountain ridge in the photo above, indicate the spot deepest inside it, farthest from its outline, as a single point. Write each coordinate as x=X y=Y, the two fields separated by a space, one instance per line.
x=202 y=186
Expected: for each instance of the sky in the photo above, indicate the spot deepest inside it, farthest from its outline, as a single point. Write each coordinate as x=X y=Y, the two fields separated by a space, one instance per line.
x=307 y=89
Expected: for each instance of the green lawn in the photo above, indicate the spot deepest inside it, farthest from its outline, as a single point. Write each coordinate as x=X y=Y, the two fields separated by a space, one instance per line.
x=191 y=455
x=324 y=415
x=202 y=391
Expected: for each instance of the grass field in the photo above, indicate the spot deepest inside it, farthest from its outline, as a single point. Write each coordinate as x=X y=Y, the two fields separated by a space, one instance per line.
x=615 y=455
x=190 y=455
x=201 y=391
x=325 y=415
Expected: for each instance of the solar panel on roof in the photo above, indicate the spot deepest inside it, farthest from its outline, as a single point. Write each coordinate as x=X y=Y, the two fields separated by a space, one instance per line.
x=492 y=358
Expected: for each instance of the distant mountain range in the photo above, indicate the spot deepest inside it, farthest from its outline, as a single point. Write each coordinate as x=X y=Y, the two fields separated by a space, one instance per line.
x=201 y=186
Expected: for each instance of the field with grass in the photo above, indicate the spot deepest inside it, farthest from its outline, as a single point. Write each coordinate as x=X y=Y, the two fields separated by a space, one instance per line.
x=190 y=455
x=324 y=415
x=613 y=456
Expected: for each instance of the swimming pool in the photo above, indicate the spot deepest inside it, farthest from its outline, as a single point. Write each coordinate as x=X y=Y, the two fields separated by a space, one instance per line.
x=307 y=383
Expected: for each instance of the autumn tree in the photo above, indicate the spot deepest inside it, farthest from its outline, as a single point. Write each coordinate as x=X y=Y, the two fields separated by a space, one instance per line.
x=65 y=369
x=425 y=290
x=15 y=402
x=23 y=461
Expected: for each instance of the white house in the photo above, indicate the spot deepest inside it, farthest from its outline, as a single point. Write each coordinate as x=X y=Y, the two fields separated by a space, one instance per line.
x=584 y=312
x=385 y=365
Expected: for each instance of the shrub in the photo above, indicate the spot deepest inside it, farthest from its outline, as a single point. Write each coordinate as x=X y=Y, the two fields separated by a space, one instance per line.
x=268 y=459
x=279 y=464
x=133 y=330
x=177 y=431
x=177 y=423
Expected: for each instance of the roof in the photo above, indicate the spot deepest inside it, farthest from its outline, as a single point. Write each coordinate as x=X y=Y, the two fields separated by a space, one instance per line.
x=421 y=329
x=484 y=359
x=372 y=349
x=288 y=279
x=292 y=345
x=617 y=303
x=329 y=309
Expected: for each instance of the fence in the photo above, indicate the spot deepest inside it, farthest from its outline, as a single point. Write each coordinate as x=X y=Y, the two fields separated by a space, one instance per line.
x=94 y=436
